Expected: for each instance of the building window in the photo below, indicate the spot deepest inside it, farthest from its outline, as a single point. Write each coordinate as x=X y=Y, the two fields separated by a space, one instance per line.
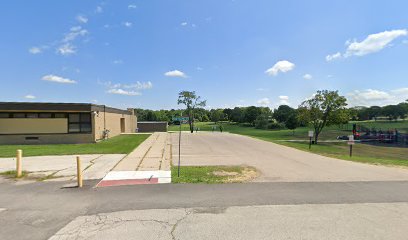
x=60 y=115
x=79 y=123
x=4 y=115
x=45 y=115
x=18 y=115
x=32 y=115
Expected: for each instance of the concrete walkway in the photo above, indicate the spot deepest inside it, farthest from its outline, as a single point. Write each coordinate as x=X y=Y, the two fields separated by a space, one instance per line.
x=149 y=163
x=276 y=163
x=62 y=168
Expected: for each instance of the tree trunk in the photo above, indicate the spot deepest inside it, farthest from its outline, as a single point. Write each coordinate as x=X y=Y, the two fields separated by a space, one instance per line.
x=191 y=121
x=316 y=137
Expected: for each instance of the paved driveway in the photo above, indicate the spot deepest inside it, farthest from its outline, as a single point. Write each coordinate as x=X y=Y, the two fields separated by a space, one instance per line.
x=277 y=163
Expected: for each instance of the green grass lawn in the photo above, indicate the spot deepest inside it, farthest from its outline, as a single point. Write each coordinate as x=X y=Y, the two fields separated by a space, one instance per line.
x=212 y=174
x=122 y=144
x=366 y=153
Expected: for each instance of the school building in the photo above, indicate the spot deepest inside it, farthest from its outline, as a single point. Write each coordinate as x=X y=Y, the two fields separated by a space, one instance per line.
x=47 y=123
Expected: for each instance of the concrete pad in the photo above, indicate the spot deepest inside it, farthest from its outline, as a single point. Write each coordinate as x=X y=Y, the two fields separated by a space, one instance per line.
x=94 y=166
x=363 y=221
x=276 y=163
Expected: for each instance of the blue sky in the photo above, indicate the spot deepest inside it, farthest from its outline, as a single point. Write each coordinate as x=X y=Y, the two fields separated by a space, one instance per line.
x=232 y=53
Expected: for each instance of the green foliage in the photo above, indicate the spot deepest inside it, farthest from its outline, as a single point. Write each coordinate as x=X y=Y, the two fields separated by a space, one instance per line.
x=262 y=121
x=276 y=126
x=191 y=101
x=292 y=122
x=324 y=109
x=283 y=113
x=251 y=113
x=216 y=115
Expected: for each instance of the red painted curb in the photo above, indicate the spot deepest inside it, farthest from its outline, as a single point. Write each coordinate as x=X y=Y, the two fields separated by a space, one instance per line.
x=109 y=183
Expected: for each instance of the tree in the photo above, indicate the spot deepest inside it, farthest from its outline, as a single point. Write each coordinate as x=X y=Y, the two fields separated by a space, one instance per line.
x=251 y=113
x=237 y=115
x=322 y=110
x=191 y=101
x=283 y=113
x=216 y=115
x=393 y=112
x=292 y=122
x=262 y=121
x=228 y=113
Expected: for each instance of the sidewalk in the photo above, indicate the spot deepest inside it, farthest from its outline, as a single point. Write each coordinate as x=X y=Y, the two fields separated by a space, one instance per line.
x=149 y=163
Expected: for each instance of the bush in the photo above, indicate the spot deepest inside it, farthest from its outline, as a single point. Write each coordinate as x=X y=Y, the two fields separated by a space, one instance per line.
x=261 y=122
x=276 y=125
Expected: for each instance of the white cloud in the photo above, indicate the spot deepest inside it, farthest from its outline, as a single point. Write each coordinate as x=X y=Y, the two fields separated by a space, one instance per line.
x=405 y=42
x=57 y=79
x=334 y=56
x=283 y=100
x=29 y=96
x=307 y=76
x=35 y=50
x=262 y=89
x=82 y=19
x=123 y=92
x=132 y=89
x=74 y=33
x=184 y=24
x=118 y=61
x=373 y=43
x=99 y=9
x=175 y=73
x=264 y=102
x=127 y=24
x=403 y=91
x=280 y=66
x=66 y=49
x=139 y=85
x=370 y=97
x=132 y=6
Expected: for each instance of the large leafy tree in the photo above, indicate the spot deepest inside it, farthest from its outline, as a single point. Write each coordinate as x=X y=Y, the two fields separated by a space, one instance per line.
x=191 y=101
x=251 y=114
x=283 y=113
x=323 y=109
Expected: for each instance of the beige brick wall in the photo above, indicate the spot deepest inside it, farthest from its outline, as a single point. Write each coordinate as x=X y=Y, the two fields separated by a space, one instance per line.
x=47 y=138
x=113 y=124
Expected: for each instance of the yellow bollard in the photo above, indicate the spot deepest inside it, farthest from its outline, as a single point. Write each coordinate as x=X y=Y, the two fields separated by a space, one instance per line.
x=19 y=169
x=79 y=172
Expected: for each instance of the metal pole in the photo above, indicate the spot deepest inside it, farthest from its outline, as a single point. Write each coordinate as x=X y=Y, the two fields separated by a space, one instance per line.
x=19 y=169
x=178 y=169
x=351 y=150
x=310 y=142
x=79 y=172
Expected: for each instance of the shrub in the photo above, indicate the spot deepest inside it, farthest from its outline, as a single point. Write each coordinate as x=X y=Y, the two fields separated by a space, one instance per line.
x=276 y=125
x=261 y=122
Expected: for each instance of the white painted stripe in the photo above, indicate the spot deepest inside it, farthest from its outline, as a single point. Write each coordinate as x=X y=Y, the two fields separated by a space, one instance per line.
x=127 y=175
x=2 y=209
x=164 y=180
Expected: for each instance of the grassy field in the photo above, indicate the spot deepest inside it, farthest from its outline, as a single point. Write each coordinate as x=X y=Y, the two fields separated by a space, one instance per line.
x=212 y=174
x=366 y=153
x=122 y=144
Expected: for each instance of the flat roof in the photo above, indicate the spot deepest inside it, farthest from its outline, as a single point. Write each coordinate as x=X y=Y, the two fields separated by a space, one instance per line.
x=58 y=107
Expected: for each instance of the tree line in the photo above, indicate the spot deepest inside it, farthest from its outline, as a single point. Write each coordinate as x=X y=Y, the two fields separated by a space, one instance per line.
x=323 y=109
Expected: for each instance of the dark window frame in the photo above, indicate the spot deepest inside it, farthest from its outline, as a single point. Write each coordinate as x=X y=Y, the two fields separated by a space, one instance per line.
x=85 y=119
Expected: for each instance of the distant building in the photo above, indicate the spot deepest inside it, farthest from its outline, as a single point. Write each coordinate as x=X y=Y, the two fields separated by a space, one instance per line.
x=40 y=123
x=152 y=126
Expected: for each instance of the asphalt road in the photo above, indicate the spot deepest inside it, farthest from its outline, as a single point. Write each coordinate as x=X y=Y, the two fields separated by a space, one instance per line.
x=39 y=210
x=276 y=163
